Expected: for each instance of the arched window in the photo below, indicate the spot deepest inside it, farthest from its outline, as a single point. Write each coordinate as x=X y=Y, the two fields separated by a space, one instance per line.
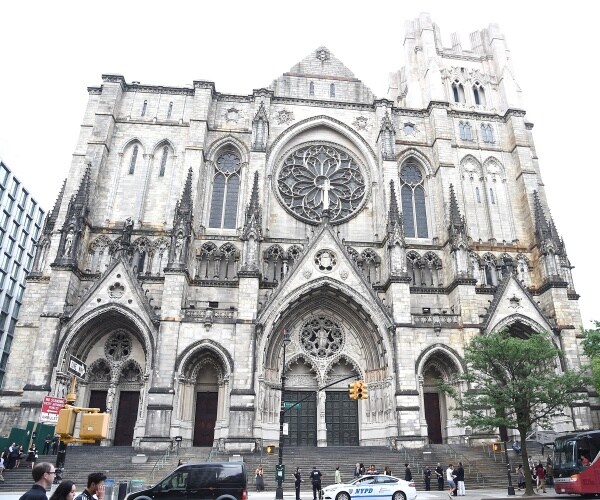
x=477 y=195
x=487 y=133
x=479 y=94
x=206 y=266
x=163 y=161
x=332 y=90
x=144 y=108
x=275 y=268
x=458 y=91
x=370 y=265
x=226 y=186
x=133 y=159
x=466 y=133
x=311 y=88
x=170 y=110
x=490 y=275
x=413 y=267
x=414 y=212
x=492 y=198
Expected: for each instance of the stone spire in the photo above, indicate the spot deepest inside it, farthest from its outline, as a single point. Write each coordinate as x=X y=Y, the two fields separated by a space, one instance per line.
x=552 y=249
x=75 y=222
x=52 y=217
x=181 y=234
x=458 y=238
x=252 y=232
x=396 y=242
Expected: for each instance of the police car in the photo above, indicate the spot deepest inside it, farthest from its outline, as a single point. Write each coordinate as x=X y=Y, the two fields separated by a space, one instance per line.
x=375 y=487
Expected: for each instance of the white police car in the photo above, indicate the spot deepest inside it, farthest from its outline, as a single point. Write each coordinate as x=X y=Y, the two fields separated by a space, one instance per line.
x=375 y=487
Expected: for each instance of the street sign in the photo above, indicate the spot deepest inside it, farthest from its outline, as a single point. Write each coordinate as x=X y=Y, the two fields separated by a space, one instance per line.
x=286 y=429
x=51 y=406
x=76 y=367
x=288 y=404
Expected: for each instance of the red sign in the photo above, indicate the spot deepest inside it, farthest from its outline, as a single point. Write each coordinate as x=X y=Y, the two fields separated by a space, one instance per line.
x=50 y=408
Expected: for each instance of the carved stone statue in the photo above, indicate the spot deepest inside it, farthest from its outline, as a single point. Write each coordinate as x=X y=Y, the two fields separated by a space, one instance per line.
x=127 y=230
x=69 y=243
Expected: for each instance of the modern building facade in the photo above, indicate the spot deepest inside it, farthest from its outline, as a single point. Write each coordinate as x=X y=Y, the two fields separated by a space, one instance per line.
x=21 y=220
x=382 y=234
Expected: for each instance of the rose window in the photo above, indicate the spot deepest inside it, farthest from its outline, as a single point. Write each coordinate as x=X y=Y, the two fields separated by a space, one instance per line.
x=118 y=346
x=318 y=177
x=321 y=337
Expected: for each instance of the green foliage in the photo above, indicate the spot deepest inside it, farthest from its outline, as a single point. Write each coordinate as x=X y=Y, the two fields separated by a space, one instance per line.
x=591 y=348
x=514 y=382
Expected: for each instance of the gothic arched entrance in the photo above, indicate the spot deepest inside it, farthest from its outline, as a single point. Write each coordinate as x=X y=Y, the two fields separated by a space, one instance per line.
x=341 y=412
x=207 y=400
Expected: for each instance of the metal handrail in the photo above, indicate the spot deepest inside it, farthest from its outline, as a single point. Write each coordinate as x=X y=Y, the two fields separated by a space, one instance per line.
x=159 y=464
x=465 y=461
x=410 y=459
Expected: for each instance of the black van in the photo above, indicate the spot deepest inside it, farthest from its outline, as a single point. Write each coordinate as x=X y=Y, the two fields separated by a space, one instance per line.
x=201 y=481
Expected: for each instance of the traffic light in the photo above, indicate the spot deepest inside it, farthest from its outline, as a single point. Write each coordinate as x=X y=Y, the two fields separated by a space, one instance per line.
x=94 y=426
x=270 y=449
x=497 y=447
x=66 y=422
x=353 y=390
x=362 y=391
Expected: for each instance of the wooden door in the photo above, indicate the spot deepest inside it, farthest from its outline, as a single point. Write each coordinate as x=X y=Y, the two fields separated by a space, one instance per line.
x=341 y=418
x=206 y=418
x=433 y=417
x=98 y=400
x=126 y=417
x=302 y=420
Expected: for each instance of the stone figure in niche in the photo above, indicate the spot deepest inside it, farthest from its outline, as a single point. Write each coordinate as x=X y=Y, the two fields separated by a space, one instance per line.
x=127 y=230
x=179 y=246
x=251 y=258
x=110 y=398
x=69 y=243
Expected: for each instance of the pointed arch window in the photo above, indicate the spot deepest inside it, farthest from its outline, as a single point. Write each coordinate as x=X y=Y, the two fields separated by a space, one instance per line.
x=226 y=186
x=133 y=159
x=332 y=90
x=479 y=94
x=144 y=108
x=465 y=130
x=311 y=88
x=170 y=110
x=414 y=210
x=477 y=195
x=492 y=197
x=163 y=161
x=487 y=133
x=458 y=91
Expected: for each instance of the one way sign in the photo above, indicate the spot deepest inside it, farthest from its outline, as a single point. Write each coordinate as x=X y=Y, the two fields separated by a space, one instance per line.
x=76 y=367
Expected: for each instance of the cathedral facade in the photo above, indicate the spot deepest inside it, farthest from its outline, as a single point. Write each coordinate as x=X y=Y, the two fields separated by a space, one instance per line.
x=197 y=231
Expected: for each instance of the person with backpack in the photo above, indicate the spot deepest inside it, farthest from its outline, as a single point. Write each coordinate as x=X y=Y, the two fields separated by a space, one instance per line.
x=315 y=479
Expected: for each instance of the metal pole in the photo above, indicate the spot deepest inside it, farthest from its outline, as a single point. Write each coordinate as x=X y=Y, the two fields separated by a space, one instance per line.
x=511 y=488
x=279 y=490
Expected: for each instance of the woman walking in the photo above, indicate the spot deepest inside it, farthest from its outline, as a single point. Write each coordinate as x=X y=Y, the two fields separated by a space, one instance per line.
x=64 y=491
x=260 y=480
x=32 y=455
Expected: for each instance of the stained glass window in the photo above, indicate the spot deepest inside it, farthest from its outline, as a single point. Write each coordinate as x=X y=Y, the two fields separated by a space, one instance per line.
x=226 y=185
x=133 y=159
x=163 y=161
x=414 y=212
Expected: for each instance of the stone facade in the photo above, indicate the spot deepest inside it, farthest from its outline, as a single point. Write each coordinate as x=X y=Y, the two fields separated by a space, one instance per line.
x=381 y=234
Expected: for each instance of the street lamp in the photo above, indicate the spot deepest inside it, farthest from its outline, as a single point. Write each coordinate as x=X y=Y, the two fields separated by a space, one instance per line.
x=279 y=471
x=511 y=488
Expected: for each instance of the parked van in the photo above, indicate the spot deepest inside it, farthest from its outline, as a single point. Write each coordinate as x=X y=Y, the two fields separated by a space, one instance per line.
x=201 y=481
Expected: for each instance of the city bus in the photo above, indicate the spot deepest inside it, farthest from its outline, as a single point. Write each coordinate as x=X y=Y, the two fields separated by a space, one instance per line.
x=577 y=463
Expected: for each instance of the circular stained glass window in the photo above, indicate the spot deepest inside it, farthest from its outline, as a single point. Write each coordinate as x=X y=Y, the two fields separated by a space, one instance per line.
x=410 y=174
x=321 y=337
x=118 y=346
x=318 y=177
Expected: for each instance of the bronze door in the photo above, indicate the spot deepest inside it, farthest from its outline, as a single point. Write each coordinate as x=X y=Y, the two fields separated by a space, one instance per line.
x=206 y=418
x=433 y=418
x=341 y=418
x=302 y=421
x=126 y=417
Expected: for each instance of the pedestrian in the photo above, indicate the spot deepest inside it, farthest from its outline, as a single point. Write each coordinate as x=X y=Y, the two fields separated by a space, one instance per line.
x=337 y=476
x=19 y=457
x=32 y=455
x=357 y=470
x=55 y=442
x=407 y=473
x=43 y=475
x=460 y=480
x=427 y=477
x=520 y=477
x=64 y=491
x=439 y=473
x=13 y=453
x=450 y=480
x=549 y=472
x=47 y=443
x=541 y=474
x=2 y=468
x=260 y=478
x=372 y=469
x=315 y=479
x=95 y=486
x=297 y=480
x=387 y=471
x=361 y=469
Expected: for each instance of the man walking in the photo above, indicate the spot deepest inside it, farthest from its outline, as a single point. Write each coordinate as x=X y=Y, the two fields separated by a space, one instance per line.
x=427 y=477
x=315 y=478
x=407 y=473
x=95 y=486
x=460 y=480
x=43 y=474
x=450 y=480
x=439 y=472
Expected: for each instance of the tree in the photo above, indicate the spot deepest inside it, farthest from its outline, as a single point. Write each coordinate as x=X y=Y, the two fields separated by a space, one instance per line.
x=514 y=382
x=591 y=348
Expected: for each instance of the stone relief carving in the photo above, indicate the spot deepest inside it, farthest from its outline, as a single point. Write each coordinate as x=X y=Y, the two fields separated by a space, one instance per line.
x=232 y=115
x=323 y=55
x=283 y=117
x=361 y=123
